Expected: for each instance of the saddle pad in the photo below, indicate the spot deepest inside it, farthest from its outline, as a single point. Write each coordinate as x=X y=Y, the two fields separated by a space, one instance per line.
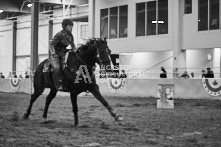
x=47 y=65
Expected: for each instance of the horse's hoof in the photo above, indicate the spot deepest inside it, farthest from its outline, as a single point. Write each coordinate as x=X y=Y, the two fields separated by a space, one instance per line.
x=25 y=116
x=76 y=124
x=119 y=118
x=44 y=120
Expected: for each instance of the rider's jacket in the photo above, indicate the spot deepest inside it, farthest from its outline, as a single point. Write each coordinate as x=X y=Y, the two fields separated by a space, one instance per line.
x=61 y=40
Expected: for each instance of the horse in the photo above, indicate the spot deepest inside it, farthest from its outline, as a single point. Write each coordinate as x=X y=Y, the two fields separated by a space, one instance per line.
x=78 y=76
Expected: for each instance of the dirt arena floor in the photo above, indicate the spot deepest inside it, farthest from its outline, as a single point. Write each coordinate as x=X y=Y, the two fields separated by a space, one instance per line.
x=193 y=123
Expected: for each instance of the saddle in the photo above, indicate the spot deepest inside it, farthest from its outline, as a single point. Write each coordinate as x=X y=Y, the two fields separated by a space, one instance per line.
x=48 y=64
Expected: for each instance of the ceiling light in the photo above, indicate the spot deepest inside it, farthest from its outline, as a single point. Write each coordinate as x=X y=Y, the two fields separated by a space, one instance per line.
x=29 y=5
x=1 y=11
x=159 y=21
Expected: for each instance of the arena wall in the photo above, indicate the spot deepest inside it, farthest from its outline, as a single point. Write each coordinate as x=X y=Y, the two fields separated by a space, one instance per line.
x=16 y=85
x=183 y=88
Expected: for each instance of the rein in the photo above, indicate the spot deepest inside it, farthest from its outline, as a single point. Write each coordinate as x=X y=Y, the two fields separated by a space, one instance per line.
x=83 y=61
x=72 y=69
x=89 y=66
x=78 y=56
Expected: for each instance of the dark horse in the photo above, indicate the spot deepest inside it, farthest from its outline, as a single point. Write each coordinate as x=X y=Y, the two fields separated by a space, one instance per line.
x=78 y=76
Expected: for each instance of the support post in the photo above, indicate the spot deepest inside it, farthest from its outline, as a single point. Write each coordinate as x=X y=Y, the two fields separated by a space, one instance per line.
x=50 y=35
x=179 y=60
x=14 y=45
x=34 y=35
x=91 y=18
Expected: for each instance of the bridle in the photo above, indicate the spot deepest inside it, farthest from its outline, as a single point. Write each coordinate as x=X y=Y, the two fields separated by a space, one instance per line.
x=98 y=56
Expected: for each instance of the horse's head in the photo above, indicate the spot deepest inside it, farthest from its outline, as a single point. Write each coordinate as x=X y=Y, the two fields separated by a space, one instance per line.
x=103 y=54
x=95 y=51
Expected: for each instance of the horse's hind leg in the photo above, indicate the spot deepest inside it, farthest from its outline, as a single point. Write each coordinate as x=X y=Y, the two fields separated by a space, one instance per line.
x=74 y=107
x=49 y=98
x=34 y=96
x=95 y=91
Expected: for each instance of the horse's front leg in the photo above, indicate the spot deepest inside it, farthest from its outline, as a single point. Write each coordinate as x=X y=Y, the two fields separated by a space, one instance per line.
x=96 y=92
x=74 y=108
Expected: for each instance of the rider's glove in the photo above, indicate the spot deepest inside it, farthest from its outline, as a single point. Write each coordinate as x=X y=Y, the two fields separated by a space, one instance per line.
x=73 y=49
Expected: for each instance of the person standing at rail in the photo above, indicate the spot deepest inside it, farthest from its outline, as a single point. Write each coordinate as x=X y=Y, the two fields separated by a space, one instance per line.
x=2 y=76
x=209 y=73
x=163 y=73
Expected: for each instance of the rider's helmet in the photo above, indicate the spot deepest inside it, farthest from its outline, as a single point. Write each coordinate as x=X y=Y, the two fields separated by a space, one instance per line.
x=66 y=22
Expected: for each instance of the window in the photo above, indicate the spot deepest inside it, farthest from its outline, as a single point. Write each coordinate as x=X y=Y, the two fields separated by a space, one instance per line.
x=140 y=19
x=162 y=17
x=214 y=15
x=123 y=21
x=203 y=15
x=104 y=23
x=114 y=22
x=208 y=18
x=84 y=31
x=188 y=7
x=152 y=18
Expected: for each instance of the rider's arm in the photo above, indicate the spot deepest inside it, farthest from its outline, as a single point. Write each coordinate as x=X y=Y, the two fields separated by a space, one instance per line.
x=57 y=38
x=73 y=47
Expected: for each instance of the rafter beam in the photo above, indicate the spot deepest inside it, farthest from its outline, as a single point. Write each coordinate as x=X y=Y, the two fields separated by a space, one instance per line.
x=67 y=2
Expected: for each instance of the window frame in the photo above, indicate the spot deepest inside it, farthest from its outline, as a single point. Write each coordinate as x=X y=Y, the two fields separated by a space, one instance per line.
x=118 y=36
x=157 y=21
x=208 y=17
x=84 y=31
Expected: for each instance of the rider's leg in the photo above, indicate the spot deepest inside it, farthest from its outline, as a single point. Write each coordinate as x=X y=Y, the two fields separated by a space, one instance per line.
x=57 y=73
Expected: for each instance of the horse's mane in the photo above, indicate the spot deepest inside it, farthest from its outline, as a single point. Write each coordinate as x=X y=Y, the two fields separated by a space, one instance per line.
x=89 y=42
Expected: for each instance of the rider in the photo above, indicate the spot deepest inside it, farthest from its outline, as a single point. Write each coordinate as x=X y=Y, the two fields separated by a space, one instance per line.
x=58 y=44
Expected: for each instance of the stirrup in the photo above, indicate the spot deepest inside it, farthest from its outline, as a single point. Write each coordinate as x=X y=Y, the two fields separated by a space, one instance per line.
x=60 y=88
x=63 y=89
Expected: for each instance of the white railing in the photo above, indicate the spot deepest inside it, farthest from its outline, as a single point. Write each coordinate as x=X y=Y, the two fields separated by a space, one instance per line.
x=16 y=74
x=136 y=73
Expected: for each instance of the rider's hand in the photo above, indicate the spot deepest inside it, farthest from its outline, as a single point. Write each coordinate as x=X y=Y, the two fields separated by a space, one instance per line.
x=73 y=50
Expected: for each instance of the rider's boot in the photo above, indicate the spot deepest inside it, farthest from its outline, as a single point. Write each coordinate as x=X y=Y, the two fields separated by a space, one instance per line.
x=58 y=80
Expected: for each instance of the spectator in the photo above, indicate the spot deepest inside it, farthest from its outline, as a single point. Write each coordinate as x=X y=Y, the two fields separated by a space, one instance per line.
x=209 y=73
x=20 y=76
x=15 y=76
x=163 y=73
x=2 y=76
x=185 y=75
x=203 y=74
x=192 y=74
x=26 y=75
